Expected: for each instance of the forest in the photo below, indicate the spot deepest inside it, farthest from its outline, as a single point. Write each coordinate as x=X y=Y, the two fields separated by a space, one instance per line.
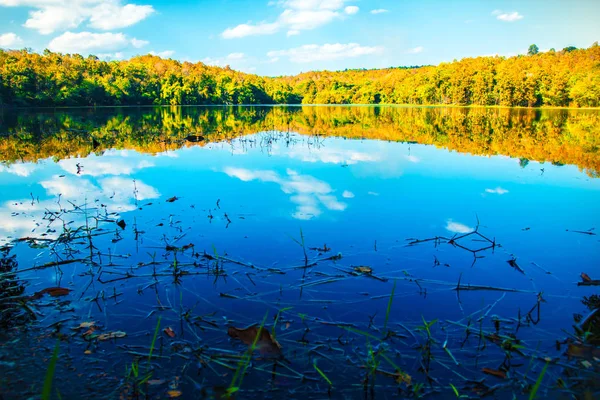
x=566 y=78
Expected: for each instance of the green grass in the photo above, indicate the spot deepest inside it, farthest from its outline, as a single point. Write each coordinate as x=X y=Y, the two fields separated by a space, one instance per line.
x=47 y=390
x=536 y=387
x=389 y=308
x=238 y=377
x=322 y=374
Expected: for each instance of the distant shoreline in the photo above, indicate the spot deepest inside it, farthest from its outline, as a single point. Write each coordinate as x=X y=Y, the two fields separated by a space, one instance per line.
x=10 y=107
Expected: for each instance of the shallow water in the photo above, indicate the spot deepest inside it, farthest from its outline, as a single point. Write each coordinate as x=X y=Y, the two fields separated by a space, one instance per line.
x=221 y=205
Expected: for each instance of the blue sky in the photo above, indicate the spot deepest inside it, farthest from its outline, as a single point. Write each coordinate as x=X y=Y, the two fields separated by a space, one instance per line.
x=289 y=36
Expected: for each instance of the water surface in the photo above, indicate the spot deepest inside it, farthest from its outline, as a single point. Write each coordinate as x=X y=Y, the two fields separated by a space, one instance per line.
x=218 y=217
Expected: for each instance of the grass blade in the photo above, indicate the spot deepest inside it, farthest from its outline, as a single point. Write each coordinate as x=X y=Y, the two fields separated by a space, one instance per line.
x=47 y=390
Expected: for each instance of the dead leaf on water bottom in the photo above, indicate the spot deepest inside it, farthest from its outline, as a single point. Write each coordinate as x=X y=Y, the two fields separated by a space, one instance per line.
x=494 y=372
x=174 y=393
x=266 y=344
x=363 y=269
x=111 y=335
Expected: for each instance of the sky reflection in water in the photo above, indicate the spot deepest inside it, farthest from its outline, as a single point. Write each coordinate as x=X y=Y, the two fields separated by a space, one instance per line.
x=250 y=196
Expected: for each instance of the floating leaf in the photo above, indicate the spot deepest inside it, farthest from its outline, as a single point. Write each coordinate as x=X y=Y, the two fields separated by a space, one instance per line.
x=121 y=223
x=169 y=332
x=52 y=291
x=266 y=343
x=172 y=199
x=585 y=277
x=111 y=335
x=363 y=269
x=494 y=372
x=84 y=325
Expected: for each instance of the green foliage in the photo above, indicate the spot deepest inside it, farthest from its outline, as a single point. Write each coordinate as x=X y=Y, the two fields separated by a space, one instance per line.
x=47 y=390
x=536 y=387
x=565 y=78
x=533 y=50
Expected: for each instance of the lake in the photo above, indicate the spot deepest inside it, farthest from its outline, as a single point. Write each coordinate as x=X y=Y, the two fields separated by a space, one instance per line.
x=361 y=252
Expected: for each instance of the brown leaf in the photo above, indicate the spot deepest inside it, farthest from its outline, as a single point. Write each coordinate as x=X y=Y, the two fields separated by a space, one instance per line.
x=363 y=269
x=266 y=344
x=84 y=325
x=494 y=372
x=174 y=393
x=54 y=292
x=112 y=335
x=583 y=351
x=169 y=332
x=172 y=199
x=585 y=277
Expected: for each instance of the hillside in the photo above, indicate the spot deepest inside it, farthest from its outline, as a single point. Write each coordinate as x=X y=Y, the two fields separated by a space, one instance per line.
x=570 y=77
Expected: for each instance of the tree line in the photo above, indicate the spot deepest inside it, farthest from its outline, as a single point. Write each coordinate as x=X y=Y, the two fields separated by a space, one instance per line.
x=569 y=77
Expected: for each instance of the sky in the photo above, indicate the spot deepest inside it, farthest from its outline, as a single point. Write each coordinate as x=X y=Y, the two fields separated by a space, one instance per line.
x=283 y=37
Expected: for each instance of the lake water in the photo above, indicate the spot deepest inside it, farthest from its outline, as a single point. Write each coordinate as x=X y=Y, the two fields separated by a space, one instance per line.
x=344 y=231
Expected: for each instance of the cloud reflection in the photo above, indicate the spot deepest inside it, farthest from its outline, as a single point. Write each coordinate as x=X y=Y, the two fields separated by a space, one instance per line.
x=308 y=193
x=457 y=227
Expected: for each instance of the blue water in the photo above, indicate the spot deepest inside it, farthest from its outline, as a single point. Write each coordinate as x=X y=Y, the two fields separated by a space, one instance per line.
x=252 y=198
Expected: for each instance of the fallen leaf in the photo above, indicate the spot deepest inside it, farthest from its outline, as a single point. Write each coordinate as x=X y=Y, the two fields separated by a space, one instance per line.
x=585 y=277
x=494 y=372
x=87 y=352
x=121 y=223
x=156 y=382
x=111 y=335
x=169 y=331
x=587 y=352
x=363 y=269
x=55 y=291
x=172 y=199
x=401 y=377
x=174 y=393
x=266 y=344
x=84 y=325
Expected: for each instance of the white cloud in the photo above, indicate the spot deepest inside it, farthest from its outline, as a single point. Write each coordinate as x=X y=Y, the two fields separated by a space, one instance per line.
x=137 y=43
x=244 y=30
x=416 y=50
x=49 y=16
x=347 y=194
x=111 y=15
x=326 y=52
x=457 y=227
x=163 y=54
x=235 y=56
x=507 y=16
x=87 y=42
x=308 y=193
x=498 y=190
x=351 y=10
x=111 y=56
x=379 y=11
x=297 y=16
x=10 y=40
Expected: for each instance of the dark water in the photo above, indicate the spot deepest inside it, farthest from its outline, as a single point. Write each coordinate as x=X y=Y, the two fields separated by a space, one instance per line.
x=220 y=206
